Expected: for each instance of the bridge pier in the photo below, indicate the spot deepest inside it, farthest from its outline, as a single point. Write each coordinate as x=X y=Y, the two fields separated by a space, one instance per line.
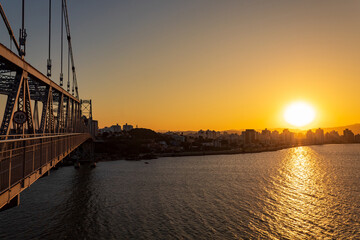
x=88 y=151
x=85 y=154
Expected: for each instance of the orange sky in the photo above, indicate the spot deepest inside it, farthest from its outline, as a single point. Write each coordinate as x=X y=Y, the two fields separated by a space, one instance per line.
x=188 y=65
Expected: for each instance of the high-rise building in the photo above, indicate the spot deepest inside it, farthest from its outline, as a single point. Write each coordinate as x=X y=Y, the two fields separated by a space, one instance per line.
x=332 y=137
x=287 y=136
x=319 y=136
x=275 y=137
x=349 y=136
x=310 y=137
x=249 y=136
x=265 y=136
x=95 y=127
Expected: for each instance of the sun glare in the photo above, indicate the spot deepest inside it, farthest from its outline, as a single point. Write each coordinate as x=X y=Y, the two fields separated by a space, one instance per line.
x=299 y=114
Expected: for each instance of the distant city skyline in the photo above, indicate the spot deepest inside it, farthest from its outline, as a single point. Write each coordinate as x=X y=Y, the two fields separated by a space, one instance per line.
x=355 y=128
x=185 y=65
x=249 y=140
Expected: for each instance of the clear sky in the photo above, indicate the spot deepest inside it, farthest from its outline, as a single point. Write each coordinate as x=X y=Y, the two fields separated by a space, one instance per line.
x=203 y=64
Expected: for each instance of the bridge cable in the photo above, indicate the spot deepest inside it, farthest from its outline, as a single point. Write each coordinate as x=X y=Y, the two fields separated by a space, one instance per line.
x=11 y=33
x=22 y=35
x=68 y=82
x=66 y=17
x=62 y=47
x=49 y=59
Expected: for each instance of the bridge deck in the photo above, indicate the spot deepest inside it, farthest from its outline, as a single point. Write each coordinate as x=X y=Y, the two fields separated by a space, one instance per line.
x=23 y=161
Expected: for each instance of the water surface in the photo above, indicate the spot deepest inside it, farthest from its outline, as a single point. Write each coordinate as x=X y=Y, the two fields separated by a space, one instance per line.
x=297 y=193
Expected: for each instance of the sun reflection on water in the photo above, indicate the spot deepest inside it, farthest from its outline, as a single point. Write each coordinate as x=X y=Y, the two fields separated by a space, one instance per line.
x=301 y=170
x=301 y=198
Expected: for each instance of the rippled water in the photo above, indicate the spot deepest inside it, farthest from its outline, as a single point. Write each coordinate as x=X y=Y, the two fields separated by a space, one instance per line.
x=298 y=193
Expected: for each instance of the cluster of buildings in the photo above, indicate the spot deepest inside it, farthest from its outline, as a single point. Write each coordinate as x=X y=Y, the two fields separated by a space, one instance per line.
x=145 y=141
x=265 y=138
x=275 y=138
x=116 y=129
x=318 y=137
x=248 y=139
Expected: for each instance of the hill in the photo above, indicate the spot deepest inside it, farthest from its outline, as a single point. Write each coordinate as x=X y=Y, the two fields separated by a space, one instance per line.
x=355 y=128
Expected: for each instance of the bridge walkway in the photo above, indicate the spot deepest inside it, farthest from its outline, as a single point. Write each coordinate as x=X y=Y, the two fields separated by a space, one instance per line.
x=24 y=160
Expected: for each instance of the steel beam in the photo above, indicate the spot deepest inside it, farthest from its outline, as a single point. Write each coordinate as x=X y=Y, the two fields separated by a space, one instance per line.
x=13 y=59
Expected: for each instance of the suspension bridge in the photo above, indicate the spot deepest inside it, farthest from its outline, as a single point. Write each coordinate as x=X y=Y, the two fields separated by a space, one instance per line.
x=42 y=122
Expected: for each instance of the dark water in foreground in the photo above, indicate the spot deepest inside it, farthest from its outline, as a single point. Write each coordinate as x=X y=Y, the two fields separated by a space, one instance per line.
x=298 y=193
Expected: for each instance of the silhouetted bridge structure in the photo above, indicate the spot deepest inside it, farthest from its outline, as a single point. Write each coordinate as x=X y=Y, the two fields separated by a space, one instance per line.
x=42 y=122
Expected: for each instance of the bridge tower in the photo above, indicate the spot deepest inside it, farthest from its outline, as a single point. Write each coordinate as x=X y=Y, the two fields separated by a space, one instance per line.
x=87 y=148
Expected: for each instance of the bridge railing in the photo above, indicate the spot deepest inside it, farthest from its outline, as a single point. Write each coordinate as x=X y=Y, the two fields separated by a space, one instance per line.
x=19 y=136
x=19 y=158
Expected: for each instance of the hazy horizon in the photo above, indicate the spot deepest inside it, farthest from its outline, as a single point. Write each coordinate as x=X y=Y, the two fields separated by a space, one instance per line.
x=257 y=129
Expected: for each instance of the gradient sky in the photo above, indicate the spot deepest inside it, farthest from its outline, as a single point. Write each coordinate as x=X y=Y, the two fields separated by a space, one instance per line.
x=203 y=64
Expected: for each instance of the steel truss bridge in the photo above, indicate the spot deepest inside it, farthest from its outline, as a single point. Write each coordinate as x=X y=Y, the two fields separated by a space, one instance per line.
x=42 y=122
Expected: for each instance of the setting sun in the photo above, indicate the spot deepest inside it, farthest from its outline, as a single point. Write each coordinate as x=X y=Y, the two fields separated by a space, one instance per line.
x=299 y=114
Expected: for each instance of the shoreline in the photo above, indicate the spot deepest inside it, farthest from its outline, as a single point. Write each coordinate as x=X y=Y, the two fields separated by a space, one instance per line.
x=104 y=157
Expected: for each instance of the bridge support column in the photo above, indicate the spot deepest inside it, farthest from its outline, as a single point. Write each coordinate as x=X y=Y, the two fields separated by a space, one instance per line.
x=86 y=152
x=13 y=203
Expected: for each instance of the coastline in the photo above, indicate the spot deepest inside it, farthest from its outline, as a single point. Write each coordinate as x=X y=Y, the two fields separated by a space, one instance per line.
x=114 y=157
x=104 y=157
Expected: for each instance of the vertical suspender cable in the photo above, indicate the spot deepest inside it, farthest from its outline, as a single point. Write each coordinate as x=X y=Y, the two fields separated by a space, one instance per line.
x=68 y=82
x=62 y=32
x=49 y=59
x=23 y=14
x=73 y=84
x=22 y=35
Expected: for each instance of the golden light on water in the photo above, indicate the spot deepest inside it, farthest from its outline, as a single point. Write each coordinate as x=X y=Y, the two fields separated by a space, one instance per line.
x=302 y=169
x=298 y=196
x=299 y=114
